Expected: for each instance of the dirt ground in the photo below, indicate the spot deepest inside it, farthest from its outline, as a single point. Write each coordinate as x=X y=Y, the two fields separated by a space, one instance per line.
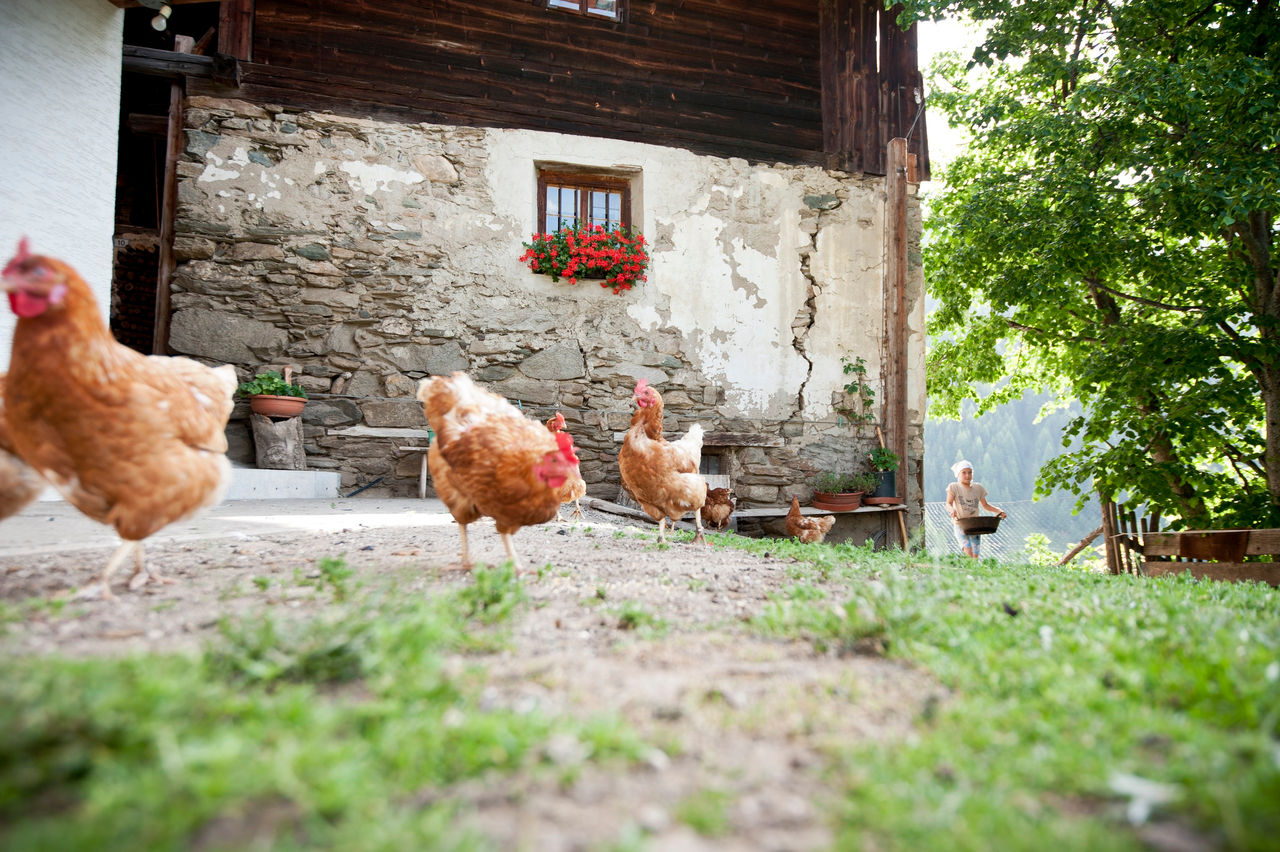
x=755 y=719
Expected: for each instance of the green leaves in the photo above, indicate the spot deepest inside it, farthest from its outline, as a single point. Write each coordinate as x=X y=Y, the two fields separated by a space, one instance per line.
x=1103 y=236
x=270 y=383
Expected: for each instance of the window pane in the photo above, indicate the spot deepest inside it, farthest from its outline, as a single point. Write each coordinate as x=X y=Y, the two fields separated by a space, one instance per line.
x=565 y=4
x=562 y=206
x=608 y=8
x=606 y=208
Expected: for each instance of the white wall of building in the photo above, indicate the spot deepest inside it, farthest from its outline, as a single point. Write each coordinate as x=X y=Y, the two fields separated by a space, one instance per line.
x=59 y=115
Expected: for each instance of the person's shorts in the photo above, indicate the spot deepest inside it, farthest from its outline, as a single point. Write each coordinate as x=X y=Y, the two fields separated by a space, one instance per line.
x=973 y=542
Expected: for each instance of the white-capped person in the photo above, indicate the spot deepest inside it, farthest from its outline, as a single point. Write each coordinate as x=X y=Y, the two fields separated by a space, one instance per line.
x=964 y=498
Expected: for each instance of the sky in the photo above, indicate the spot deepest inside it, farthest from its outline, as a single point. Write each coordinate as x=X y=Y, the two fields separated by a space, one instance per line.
x=936 y=37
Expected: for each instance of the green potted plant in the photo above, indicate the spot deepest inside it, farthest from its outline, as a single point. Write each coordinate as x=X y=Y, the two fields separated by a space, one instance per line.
x=841 y=492
x=273 y=395
x=884 y=462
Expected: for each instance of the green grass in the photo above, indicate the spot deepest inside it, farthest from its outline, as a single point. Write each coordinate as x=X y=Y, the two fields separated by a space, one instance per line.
x=1060 y=683
x=337 y=733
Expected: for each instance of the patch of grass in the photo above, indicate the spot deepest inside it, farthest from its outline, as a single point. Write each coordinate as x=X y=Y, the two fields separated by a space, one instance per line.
x=1060 y=682
x=632 y=616
x=706 y=812
x=494 y=594
x=263 y=583
x=342 y=733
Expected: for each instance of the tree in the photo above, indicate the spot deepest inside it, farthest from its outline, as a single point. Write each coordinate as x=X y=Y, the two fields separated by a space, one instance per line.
x=1110 y=237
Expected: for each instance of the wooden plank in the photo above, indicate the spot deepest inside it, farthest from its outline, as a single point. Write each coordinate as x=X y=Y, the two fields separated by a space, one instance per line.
x=894 y=402
x=780 y=511
x=169 y=204
x=729 y=78
x=235 y=29
x=1266 y=572
x=1263 y=541
x=741 y=439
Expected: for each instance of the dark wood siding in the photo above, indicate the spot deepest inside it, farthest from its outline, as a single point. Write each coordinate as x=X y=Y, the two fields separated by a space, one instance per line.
x=729 y=77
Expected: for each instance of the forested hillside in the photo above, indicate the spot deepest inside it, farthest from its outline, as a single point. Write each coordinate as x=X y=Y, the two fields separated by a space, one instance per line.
x=1007 y=447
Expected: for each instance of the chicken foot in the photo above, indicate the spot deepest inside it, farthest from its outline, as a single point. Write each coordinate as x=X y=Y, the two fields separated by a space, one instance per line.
x=142 y=574
x=100 y=586
x=509 y=543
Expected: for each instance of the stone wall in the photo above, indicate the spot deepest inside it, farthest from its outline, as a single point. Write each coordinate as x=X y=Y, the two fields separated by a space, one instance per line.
x=369 y=255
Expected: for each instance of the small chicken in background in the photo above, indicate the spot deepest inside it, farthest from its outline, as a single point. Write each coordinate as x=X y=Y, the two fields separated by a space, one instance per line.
x=718 y=508
x=808 y=530
x=19 y=484
x=487 y=459
x=130 y=440
x=662 y=475
x=574 y=488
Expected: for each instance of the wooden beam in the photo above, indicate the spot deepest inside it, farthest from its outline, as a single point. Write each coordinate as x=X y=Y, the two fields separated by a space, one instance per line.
x=741 y=439
x=1266 y=572
x=1264 y=541
x=894 y=403
x=169 y=204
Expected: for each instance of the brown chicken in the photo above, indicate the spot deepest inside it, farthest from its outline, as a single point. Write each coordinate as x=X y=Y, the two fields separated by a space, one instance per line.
x=489 y=459
x=574 y=488
x=19 y=484
x=809 y=530
x=130 y=440
x=718 y=508
x=662 y=475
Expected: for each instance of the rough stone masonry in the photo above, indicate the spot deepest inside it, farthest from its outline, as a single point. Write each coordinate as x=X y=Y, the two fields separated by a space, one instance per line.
x=369 y=255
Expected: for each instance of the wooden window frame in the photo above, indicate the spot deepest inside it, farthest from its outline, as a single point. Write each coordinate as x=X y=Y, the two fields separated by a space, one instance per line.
x=582 y=7
x=584 y=182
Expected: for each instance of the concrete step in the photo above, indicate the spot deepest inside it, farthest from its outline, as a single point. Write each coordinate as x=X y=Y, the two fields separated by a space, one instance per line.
x=250 y=483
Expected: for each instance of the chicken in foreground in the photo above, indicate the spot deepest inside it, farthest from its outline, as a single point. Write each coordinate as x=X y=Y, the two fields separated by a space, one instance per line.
x=130 y=440
x=489 y=459
x=19 y=484
x=808 y=530
x=718 y=508
x=574 y=488
x=662 y=475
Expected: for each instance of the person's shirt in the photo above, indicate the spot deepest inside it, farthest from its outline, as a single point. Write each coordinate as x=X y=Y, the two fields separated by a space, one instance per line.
x=967 y=500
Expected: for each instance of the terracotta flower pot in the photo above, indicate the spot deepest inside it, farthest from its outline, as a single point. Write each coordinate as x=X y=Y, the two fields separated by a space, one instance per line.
x=276 y=406
x=845 y=501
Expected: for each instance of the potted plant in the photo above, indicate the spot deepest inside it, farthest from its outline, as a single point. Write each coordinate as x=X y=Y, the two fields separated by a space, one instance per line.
x=273 y=395
x=841 y=492
x=884 y=462
x=616 y=256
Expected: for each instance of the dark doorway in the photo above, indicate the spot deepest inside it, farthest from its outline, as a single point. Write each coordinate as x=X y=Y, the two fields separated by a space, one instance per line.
x=140 y=169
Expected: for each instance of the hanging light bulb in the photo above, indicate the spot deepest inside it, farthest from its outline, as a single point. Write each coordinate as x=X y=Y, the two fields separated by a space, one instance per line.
x=161 y=20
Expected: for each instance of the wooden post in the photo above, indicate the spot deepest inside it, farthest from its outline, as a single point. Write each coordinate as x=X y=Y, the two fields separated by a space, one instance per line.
x=894 y=403
x=169 y=203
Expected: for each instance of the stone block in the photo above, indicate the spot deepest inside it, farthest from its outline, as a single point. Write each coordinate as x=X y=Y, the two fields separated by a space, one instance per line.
x=561 y=361
x=224 y=337
x=394 y=413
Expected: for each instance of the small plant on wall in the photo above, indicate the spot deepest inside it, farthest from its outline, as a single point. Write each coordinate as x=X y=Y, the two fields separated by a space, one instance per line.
x=860 y=394
x=617 y=257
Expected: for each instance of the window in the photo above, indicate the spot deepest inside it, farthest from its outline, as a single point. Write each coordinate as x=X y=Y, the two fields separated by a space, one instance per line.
x=602 y=8
x=574 y=199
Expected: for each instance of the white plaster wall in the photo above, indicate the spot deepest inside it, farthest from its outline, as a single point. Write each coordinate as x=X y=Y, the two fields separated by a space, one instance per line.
x=59 y=107
x=726 y=240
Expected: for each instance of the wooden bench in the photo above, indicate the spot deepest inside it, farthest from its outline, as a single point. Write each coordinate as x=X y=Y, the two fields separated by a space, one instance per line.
x=1212 y=554
x=422 y=473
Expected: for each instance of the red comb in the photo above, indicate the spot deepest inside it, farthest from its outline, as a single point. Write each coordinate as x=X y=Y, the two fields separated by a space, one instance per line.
x=24 y=252
x=641 y=385
x=559 y=421
x=565 y=441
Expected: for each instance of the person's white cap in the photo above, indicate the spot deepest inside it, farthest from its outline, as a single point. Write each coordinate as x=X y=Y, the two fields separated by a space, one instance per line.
x=961 y=465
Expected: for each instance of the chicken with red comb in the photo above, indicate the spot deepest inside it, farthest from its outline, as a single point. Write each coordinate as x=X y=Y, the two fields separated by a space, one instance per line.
x=574 y=488
x=661 y=475
x=130 y=440
x=488 y=459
